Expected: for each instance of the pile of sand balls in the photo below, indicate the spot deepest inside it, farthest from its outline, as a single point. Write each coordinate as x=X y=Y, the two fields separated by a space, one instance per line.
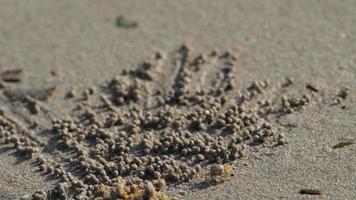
x=135 y=134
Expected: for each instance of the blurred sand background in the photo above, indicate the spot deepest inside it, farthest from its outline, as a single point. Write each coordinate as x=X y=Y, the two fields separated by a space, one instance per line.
x=308 y=40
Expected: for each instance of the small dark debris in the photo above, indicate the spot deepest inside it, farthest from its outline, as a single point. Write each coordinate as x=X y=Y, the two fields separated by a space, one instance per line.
x=70 y=94
x=287 y=82
x=290 y=126
x=11 y=76
x=343 y=93
x=123 y=22
x=310 y=192
x=53 y=73
x=342 y=144
x=312 y=87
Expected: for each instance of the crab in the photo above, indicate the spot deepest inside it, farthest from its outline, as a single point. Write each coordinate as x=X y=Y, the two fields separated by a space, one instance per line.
x=219 y=173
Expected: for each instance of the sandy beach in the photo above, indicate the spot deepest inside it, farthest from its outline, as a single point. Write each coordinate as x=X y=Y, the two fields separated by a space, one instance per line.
x=76 y=45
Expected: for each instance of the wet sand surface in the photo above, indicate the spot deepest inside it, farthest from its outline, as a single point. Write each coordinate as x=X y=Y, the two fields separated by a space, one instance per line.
x=77 y=44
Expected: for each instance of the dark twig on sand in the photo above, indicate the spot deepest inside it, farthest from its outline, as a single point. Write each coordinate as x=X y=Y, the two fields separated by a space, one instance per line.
x=342 y=144
x=310 y=192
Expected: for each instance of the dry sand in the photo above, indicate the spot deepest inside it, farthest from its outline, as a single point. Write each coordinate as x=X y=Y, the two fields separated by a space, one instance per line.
x=308 y=40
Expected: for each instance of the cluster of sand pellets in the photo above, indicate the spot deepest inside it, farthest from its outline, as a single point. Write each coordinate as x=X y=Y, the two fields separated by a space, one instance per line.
x=172 y=119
